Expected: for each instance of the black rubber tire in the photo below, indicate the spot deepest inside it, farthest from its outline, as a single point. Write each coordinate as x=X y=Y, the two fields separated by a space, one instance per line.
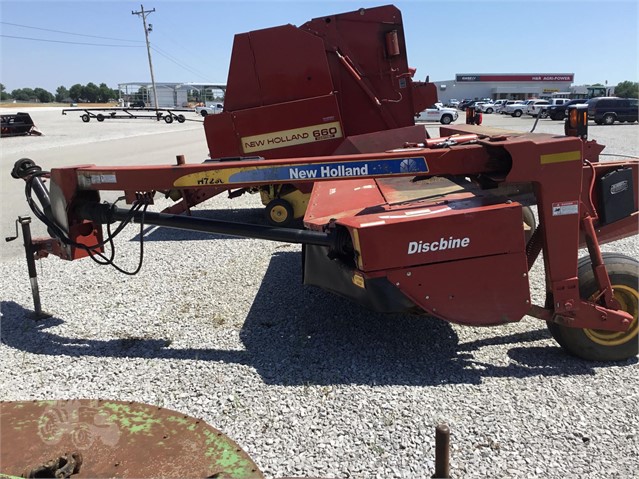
x=204 y=113
x=85 y=118
x=530 y=220
x=99 y=117
x=489 y=110
x=590 y=343
x=446 y=119
x=181 y=119
x=608 y=119
x=279 y=212
x=517 y=113
x=543 y=114
x=168 y=119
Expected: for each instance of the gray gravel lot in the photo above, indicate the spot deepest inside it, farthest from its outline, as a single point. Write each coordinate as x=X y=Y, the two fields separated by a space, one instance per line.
x=307 y=383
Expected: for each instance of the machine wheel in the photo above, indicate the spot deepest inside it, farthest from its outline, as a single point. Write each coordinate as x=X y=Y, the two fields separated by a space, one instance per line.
x=181 y=119
x=543 y=114
x=597 y=344
x=279 y=212
x=204 y=113
x=529 y=219
x=608 y=119
x=446 y=120
x=489 y=110
x=168 y=119
x=85 y=118
x=99 y=117
x=517 y=113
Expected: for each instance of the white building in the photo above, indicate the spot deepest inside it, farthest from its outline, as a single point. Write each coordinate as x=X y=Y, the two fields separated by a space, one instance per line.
x=512 y=86
x=170 y=95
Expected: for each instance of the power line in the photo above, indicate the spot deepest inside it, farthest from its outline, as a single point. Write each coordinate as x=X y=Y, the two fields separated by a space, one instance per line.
x=72 y=43
x=180 y=64
x=69 y=33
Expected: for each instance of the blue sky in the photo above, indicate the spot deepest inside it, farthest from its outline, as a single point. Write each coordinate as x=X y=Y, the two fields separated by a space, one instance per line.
x=193 y=39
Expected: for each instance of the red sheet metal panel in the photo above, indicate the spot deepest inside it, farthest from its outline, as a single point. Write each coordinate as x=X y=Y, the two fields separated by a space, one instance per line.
x=360 y=37
x=382 y=140
x=310 y=127
x=402 y=190
x=340 y=199
x=276 y=65
x=345 y=55
x=344 y=199
x=476 y=291
x=436 y=232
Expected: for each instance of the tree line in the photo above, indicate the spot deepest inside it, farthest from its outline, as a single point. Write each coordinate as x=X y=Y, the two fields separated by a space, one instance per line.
x=93 y=93
x=627 y=89
x=90 y=92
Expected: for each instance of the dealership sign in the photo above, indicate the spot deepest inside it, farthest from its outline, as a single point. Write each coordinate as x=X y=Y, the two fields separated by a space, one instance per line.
x=567 y=77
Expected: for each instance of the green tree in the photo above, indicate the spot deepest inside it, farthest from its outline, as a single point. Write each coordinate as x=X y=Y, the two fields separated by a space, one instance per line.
x=23 y=94
x=90 y=92
x=75 y=92
x=141 y=95
x=105 y=93
x=61 y=94
x=3 y=94
x=627 y=89
x=43 y=96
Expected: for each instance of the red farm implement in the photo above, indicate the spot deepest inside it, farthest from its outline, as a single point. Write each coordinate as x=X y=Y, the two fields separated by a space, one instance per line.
x=339 y=84
x=394 y=220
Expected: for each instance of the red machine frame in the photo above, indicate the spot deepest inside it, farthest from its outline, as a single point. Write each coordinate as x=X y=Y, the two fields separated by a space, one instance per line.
x=561 y=171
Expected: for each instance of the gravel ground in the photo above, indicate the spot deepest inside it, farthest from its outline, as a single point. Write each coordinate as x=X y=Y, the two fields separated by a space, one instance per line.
x=310 y=384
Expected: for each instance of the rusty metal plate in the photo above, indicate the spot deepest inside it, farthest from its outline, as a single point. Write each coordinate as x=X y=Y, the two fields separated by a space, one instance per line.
x=117 y=439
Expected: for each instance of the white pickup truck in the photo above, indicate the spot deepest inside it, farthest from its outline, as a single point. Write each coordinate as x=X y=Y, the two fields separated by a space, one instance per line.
x=438 y=113
x=211 y=109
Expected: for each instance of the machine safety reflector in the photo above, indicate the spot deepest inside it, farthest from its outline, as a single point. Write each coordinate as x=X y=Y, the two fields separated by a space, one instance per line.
x=358 y=280
x=561 y=157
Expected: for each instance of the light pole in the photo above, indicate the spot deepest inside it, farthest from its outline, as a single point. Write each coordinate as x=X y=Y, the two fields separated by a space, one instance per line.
x=143 y=13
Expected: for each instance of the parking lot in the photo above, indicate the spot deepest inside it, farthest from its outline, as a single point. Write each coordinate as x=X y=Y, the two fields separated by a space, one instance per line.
x=309 y=384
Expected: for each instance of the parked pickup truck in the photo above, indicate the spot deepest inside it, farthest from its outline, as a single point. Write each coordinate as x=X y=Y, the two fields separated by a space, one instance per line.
x=211 y=109
x=438 y=113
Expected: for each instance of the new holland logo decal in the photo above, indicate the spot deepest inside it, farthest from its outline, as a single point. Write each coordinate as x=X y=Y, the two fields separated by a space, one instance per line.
x=263 y=174
x=295 y=136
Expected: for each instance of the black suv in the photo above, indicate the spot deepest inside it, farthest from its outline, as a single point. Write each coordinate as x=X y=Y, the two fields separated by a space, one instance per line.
x=607 y=110
x=464 y=103
x=558 y=112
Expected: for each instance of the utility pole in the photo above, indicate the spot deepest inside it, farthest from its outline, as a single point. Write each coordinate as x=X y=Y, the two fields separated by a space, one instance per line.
x=144 y=13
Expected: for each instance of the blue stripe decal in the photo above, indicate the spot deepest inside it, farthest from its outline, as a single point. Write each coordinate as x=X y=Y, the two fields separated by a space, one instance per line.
x=416 y=165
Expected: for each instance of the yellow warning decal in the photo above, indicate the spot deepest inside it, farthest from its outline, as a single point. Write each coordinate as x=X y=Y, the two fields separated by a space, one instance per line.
x=210 y=177
x=358 y=280
x=561 y=157
x=295 y=136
